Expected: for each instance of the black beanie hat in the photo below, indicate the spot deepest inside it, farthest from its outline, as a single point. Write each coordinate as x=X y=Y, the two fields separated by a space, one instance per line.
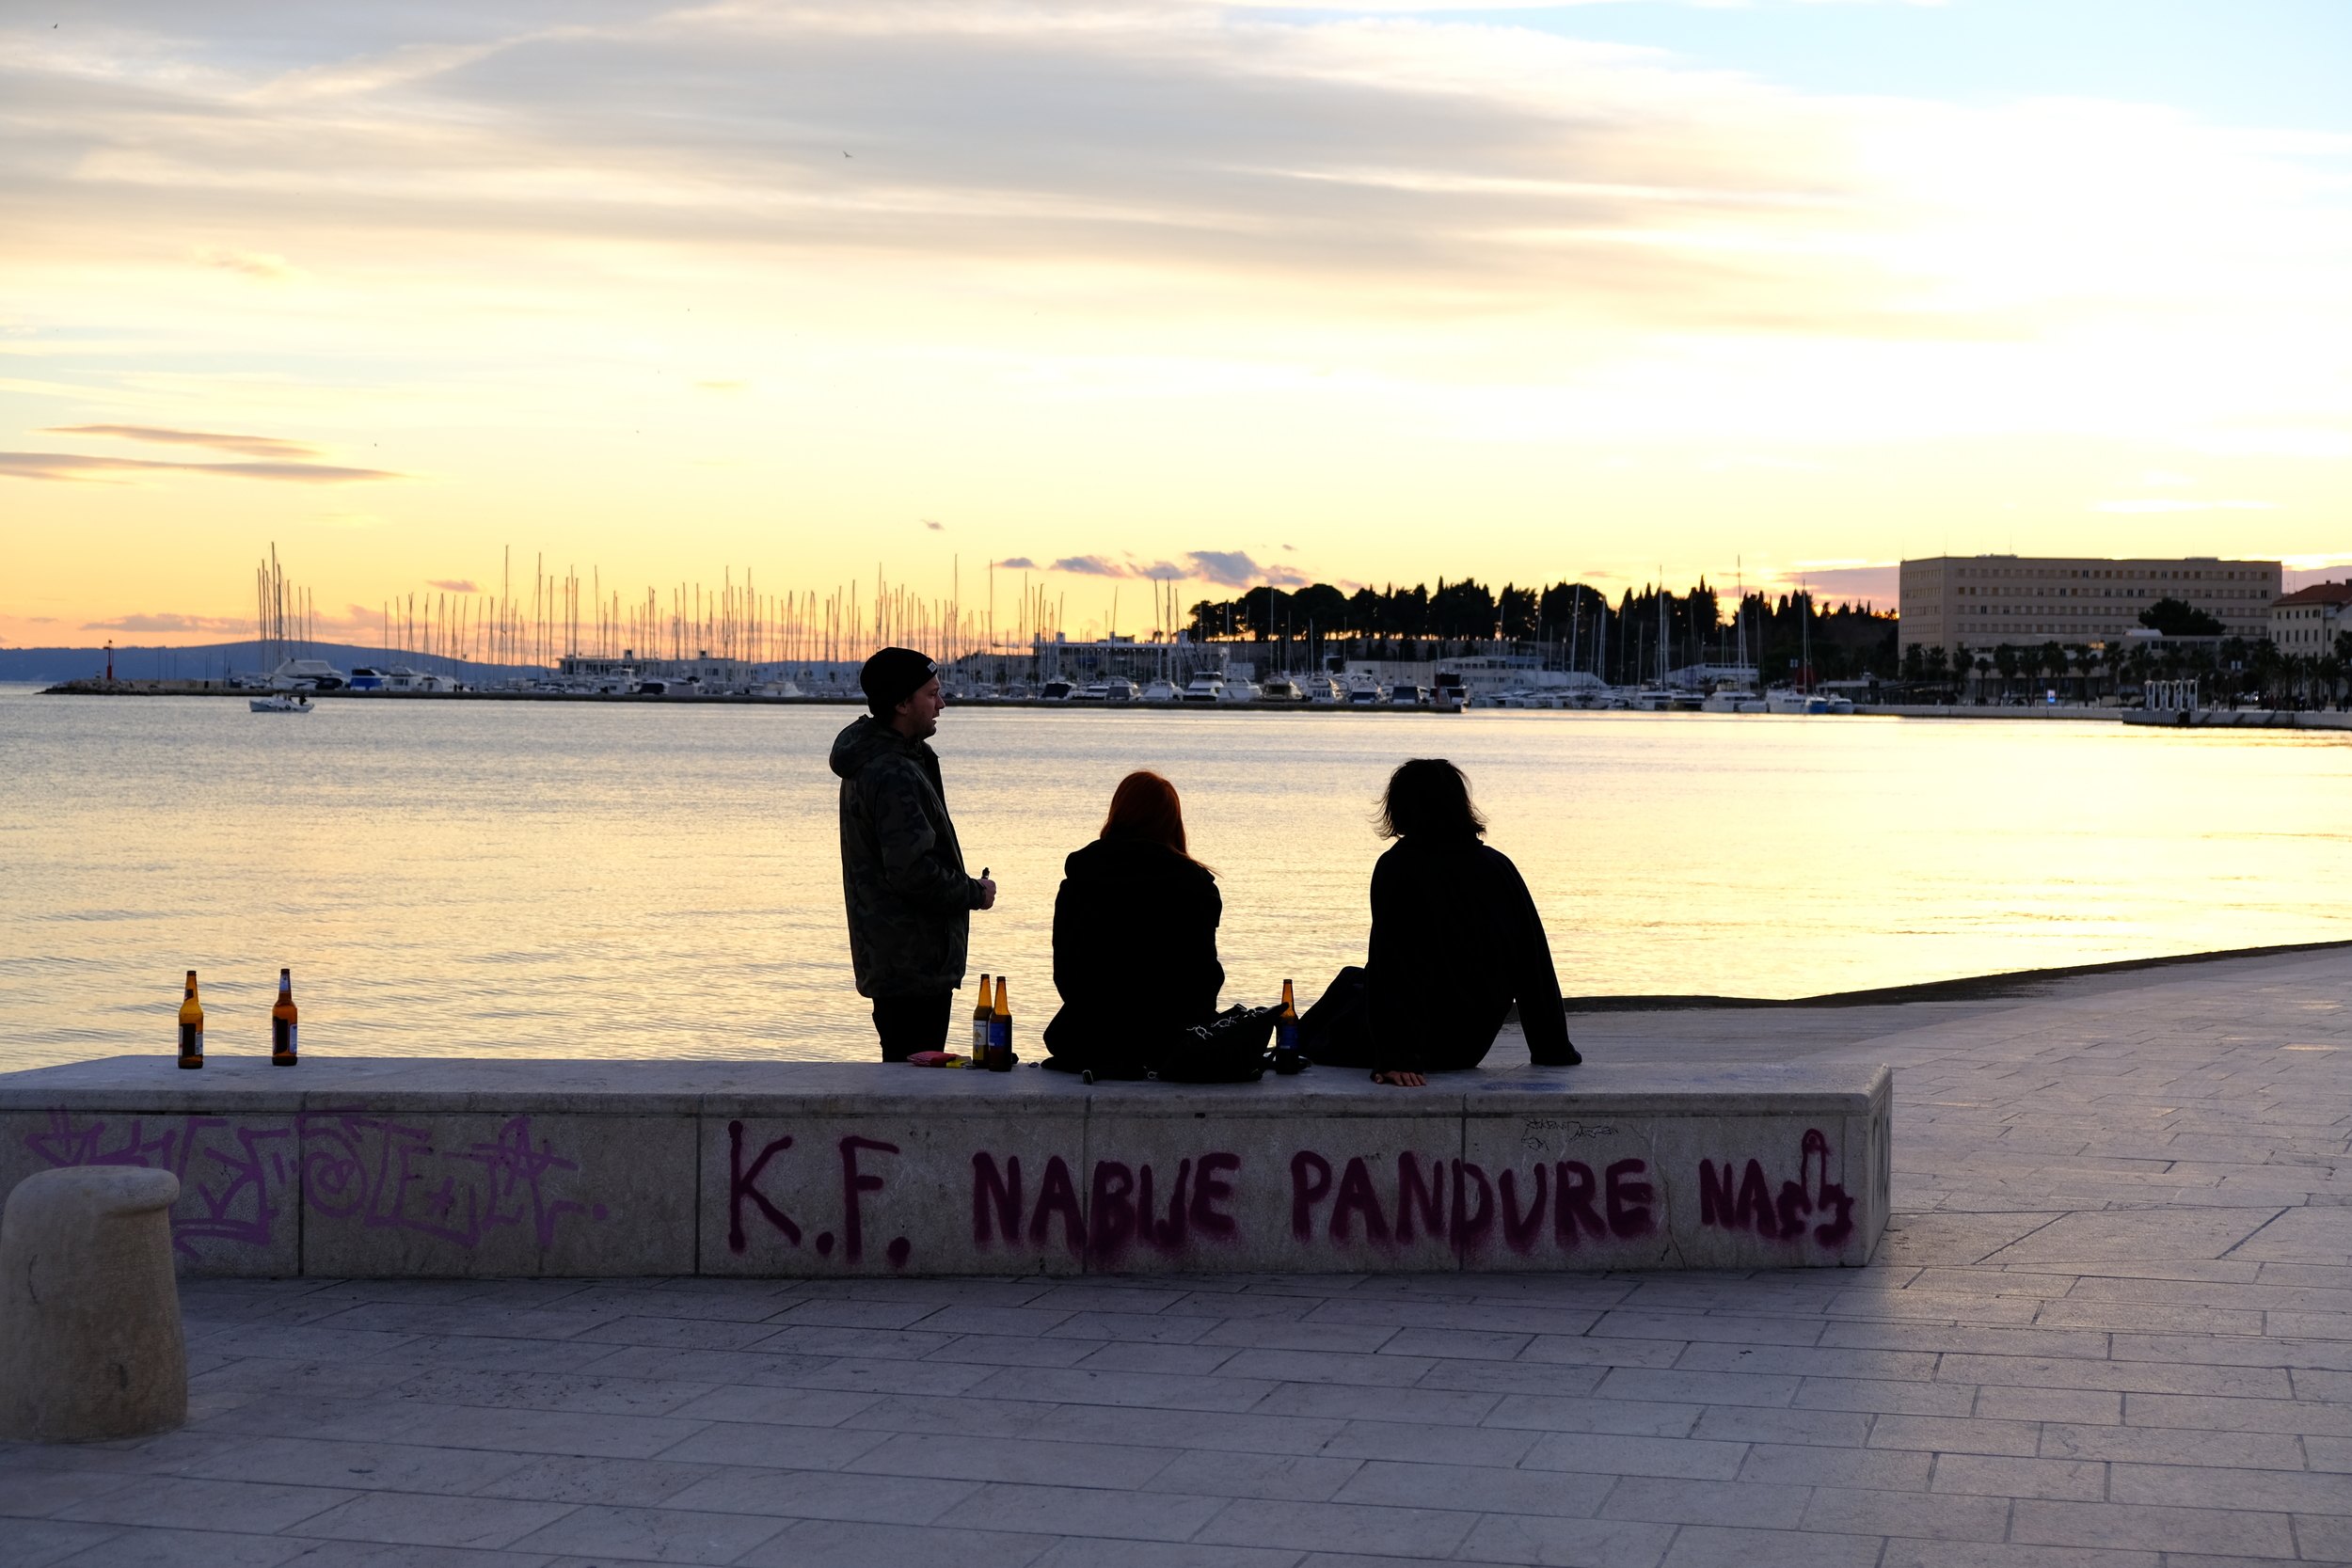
x=893 y=676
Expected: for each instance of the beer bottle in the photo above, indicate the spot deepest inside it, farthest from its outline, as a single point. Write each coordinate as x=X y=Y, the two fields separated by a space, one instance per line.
x=1286 y=1057
x=191 y=1027
x=1000 y=1033
x=982 y=1016
x=282 y=1022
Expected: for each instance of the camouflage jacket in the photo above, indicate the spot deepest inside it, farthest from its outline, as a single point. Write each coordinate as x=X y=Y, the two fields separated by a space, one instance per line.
x=902 y=873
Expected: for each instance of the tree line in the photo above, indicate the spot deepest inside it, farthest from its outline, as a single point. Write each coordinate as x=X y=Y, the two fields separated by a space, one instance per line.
x=1573 y=624
x=2228 y=669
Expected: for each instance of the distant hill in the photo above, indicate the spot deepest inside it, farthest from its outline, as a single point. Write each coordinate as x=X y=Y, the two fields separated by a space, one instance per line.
x=219 y=659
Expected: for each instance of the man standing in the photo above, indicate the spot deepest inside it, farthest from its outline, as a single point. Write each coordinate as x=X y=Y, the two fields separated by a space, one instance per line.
x=901 y=871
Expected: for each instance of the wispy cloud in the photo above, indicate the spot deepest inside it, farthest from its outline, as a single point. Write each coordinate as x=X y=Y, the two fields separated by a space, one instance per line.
x=454 y=585
x=253 y=263
x=1091 y=566
x=250 y=445
x=1019 y=563
x=169 y=621
x=1236 y=569
x=934 y=525
x=77 y=467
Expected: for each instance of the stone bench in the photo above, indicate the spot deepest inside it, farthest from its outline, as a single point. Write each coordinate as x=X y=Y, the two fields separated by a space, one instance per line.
x=449 y=1166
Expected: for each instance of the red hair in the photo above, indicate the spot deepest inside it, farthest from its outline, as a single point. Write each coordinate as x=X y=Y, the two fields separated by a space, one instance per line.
x=1144 y=806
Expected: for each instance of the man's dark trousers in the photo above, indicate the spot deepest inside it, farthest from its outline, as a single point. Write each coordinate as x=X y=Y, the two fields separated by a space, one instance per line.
x=911 y=1024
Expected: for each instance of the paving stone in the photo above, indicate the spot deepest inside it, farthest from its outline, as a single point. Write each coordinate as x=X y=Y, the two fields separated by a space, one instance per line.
x=653 y=1534
x=1205 y=1473
x=159 y=1548
x=2166 y=1446
x=1957 y=1435
x=1076 y=1385
x=1569 y=1542
x=1708 y=1547
x=1077 y=1511
x=190 y=1503
x=2158 y=1529
x=1871 y=1394
x=1797 y=1464
x=1749 y=1423
x=2286 y=1491
x=621 y=1482
x=2324 y=1537
x=843 y=1543
x=1116 y=1465
x=1596 y=1455
x=1005 y=1350
x=1485 y=1489
x=409 y=1519
x=1666 y=1501
x=1375 y=1529
x=38 y=1542
x=1097 y=1553
x=1855 y=1510
x=2082 y=1406
x=1906 y=1552
x=824 y=1495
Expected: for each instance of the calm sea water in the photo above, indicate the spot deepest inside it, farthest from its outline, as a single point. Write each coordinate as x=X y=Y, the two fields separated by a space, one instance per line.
x=542 y=879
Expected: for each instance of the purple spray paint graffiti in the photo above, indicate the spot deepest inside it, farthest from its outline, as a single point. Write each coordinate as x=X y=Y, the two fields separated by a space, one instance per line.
x=232 y=1178
x=237 y=1179
x=1780 y=1217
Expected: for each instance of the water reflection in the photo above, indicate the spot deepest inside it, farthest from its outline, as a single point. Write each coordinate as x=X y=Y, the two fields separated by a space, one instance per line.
x=599 y=881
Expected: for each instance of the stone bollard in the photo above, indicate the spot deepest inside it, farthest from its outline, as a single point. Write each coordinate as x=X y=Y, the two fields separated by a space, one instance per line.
x=90 y=1345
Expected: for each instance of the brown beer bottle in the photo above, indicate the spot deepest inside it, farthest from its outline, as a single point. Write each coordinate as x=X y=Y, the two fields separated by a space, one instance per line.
x=1000 y=1033
x=1286 y=1057
x=282 y=1023
x=982 y=1016
x=191 y=1027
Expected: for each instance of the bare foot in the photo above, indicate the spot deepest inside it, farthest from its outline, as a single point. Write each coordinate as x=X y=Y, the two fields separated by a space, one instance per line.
x=1402 y=1080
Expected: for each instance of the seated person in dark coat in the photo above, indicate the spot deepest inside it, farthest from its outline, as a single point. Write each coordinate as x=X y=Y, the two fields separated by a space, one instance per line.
x=1135 y=938
x=1456 y=942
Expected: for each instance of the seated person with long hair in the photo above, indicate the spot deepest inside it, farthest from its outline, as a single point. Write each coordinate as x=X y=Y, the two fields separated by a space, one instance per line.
x=1456 y=942
x=1135 y=938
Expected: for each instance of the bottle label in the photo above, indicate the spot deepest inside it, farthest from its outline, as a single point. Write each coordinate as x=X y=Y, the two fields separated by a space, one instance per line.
x=981 y=1029
x=281 y=1037
x=191 y=1039
x=1286 y=1034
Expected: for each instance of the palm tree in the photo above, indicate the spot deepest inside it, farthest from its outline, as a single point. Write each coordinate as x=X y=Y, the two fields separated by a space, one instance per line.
x=2005 y=659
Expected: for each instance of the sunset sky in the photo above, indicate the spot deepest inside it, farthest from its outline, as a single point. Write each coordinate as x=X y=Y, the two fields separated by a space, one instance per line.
x=1346 y=292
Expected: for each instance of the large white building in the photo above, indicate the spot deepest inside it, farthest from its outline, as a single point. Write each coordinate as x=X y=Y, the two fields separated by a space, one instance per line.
x=2305 y=621
x=1982 y=601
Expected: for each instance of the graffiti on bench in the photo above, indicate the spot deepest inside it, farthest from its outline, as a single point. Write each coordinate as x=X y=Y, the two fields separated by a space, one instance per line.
x=237 y=1177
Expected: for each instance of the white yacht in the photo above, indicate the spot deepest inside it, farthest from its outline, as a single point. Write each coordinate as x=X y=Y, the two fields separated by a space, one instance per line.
x=1282 y=689
x=1322 y=690
x=1206 y=687
x=1238 y=688
x=1162 y=691
x=284 y=702
x=1118 y=689
x=1783 y=698
x=1405 y=695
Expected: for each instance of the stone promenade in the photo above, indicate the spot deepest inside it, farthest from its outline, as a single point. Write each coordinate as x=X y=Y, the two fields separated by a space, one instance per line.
x=2113 y=1328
